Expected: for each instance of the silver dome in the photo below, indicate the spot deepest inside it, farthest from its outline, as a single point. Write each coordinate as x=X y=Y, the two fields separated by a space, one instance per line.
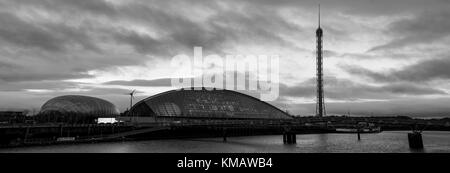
x=79 y=105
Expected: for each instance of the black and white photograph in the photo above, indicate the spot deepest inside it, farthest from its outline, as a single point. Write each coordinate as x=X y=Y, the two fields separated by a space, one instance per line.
x=225 y=76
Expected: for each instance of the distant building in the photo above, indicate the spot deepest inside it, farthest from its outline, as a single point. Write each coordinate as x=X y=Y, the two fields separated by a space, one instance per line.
x=12 y=117
x=76 y=109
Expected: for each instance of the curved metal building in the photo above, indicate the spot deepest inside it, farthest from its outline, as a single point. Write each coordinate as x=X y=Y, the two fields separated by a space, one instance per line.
x=80 y=106
x=206 y=104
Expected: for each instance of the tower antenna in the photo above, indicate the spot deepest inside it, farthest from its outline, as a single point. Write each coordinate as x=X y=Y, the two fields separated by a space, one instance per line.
x=319 y=15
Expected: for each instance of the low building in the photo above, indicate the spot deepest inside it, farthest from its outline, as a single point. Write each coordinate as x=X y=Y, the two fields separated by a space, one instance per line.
x=9 y=117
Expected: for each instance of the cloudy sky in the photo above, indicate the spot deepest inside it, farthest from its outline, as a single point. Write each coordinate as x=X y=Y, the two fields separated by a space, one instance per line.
x=384 y=57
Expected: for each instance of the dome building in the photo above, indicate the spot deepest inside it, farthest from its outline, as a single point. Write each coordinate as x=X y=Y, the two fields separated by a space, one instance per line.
x=206 y=103
x=76 y=108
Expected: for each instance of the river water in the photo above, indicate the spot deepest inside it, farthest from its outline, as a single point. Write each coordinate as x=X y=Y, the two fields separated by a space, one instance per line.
x=385 y=142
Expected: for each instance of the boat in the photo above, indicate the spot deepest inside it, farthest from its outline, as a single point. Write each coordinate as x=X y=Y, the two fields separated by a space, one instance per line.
x=64 y=139
x=355 y=130
x=362 y=127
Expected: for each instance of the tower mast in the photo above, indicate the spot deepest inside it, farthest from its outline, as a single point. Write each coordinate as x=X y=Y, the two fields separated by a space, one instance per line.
x=320 y=105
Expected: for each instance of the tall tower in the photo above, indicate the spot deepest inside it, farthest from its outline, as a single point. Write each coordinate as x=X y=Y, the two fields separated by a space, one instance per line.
x=320 y=106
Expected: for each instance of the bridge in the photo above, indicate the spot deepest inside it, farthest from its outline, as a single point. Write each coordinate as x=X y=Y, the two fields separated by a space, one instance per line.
x=51 y=132
x=177 y=128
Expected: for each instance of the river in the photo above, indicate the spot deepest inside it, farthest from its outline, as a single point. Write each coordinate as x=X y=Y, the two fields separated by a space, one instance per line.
x=385 y=142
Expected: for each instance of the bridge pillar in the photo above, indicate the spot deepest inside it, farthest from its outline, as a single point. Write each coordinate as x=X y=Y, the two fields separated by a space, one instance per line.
x=415 y=140
x=359 y=134
x=224 y=134
x=289 y=138
x=294 y=138
x=60 y=130
x=27 y=131
x=89 y=130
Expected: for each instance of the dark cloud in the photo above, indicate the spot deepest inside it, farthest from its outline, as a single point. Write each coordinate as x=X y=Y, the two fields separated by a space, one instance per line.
x=96 y=91
x=329 y=54
x=37 y=85
x=409 y=106
x=255 y=27
x=18 y=32
x=409 y=89
x=223 y=28
x=94 y=6
x=98 y=7
x=164 y=82
x=357 y=56
x=167 y=82
x=7 y=66
x=360 y=71
x=423 y=71
x=359 y=7
x=24 y=74
x=389 y=55
x=143 y=44
x=49 y=37
x=425 y=28
x=344 y=89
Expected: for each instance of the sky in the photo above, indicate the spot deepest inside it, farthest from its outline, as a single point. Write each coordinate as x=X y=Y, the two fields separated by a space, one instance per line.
x=384 y=57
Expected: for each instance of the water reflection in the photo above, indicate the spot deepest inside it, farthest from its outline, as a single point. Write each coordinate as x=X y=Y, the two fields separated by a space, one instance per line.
x=385 y=142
